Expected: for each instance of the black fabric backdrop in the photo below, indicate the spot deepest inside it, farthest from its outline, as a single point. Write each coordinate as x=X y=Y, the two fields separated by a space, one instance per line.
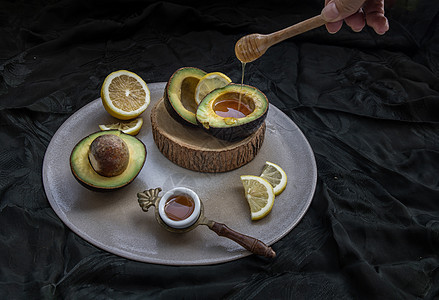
x=368 y=105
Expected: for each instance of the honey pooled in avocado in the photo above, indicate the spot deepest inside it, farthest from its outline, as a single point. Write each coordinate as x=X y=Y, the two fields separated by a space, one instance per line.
x=109 y=155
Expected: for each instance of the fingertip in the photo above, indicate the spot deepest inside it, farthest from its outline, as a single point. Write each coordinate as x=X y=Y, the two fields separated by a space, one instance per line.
x=356 y=22
x=334 y=27
x=357 y=29
x=380 y=25
x=380 y=31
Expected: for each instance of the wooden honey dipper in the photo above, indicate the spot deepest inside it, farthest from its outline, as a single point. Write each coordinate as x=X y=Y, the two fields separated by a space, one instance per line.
x=252 y=46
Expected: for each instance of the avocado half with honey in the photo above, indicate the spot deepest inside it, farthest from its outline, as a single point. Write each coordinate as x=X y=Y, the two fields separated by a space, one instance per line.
x=233 y=112
x=179 y=95
x=122 y=157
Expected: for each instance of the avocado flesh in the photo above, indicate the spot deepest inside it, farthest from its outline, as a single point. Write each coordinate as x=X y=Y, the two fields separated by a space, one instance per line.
x=228 y=128
x=84 y=173
x=180 y=94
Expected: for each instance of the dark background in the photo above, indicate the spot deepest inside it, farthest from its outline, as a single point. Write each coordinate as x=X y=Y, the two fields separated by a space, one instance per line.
x=368 y=104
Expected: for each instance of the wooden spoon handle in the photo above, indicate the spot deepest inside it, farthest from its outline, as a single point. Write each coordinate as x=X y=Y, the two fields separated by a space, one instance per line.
x=251 y=47
x=248 y=242
x=296 y=29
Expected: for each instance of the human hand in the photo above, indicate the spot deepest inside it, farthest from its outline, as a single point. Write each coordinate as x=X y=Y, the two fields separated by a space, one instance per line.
x=356 y=13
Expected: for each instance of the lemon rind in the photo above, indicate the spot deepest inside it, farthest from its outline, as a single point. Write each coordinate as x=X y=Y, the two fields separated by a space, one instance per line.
x=267 y=209
x=131 y=131
x=116 y=112
x=226 y=78
x=279 y=188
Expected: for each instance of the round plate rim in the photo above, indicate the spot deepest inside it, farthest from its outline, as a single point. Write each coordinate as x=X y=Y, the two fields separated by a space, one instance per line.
x=132 y=256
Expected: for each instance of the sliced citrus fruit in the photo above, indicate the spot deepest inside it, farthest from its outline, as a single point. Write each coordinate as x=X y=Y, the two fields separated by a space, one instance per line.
x=125 y=95
x=210 y=82
x=259 y=194
x=275 y=176
x=128 y=127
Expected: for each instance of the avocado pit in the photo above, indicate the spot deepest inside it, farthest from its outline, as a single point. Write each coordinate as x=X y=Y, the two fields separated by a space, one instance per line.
x=109 y=155
x=107 y=160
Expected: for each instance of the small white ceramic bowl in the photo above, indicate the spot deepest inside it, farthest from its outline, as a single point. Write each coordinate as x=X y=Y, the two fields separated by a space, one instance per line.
x=189 y=220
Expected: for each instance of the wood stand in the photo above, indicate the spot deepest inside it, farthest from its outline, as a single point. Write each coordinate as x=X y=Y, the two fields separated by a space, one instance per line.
x=194 y=149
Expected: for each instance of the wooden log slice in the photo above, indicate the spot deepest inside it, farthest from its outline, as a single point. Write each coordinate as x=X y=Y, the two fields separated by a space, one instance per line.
x=194 y=149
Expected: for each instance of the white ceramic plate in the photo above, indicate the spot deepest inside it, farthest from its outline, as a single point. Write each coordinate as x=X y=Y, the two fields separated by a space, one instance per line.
x=114 y=221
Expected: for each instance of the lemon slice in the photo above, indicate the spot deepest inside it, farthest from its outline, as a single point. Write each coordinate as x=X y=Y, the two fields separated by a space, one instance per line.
x=125 y=95
x=275 y=176
x=129 y=127
x=259 y=194
x=210 y=82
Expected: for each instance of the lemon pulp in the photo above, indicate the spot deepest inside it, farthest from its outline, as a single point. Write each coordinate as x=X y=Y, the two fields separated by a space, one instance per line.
x=129 y=127
x=259 y=194
x=210 y=82
x=276 y=176
x=125 y=95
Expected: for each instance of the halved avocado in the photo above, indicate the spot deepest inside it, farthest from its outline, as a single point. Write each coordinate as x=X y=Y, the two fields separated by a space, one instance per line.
x=219 y=117
x=179 y=95
x=88 y=177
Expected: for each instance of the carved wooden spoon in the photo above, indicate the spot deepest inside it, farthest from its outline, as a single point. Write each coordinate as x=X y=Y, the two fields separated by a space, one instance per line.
x=252 y=46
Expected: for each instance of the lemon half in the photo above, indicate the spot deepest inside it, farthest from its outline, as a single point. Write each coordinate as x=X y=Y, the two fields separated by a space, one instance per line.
x=125 y=95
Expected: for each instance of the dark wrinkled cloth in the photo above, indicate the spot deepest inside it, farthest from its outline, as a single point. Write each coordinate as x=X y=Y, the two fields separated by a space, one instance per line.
x=368 y=104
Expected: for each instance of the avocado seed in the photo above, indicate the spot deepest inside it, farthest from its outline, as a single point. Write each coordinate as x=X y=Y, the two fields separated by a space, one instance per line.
x=109 y=155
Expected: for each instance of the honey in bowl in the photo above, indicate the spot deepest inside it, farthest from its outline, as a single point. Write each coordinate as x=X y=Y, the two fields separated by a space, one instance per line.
x=179 y=207
x=231 y=108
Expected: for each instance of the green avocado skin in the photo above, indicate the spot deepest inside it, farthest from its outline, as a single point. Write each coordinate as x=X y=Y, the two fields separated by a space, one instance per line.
x=173 y=113
x=83 y=171
x=185 y=78
x=237 y=133
x=244 y=127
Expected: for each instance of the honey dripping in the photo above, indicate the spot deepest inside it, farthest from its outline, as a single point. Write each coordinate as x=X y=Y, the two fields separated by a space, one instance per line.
x=242 y=83
x=231 y=108
x=179 y=207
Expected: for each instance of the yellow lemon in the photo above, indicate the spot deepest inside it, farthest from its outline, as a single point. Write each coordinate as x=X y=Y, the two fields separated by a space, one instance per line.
x=259 y=194
x=129 y=127
x=125 y=95
x=210 y=82
x=275 y=176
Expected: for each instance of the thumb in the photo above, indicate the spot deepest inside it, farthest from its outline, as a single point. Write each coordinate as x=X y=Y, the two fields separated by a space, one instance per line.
x=337 y=10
